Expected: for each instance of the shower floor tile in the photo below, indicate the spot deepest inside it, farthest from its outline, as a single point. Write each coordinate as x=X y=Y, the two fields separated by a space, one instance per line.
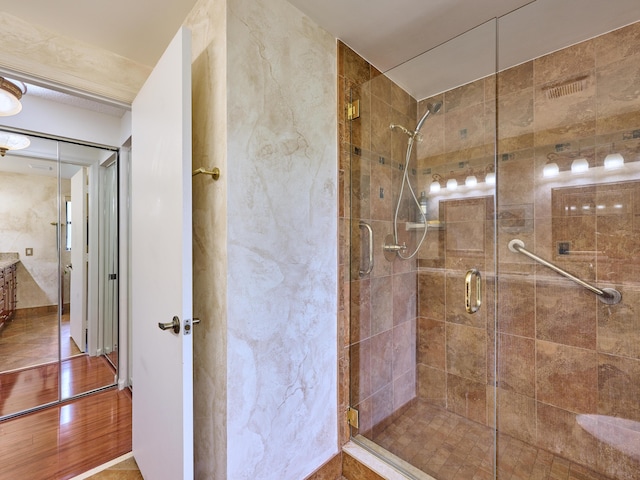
x=450 y=447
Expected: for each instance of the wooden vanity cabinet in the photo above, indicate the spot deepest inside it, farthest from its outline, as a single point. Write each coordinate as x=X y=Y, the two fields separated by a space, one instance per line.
x=7 y=293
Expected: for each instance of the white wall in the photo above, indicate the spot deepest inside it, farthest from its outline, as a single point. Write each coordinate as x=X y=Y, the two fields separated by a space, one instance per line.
x=67 y=121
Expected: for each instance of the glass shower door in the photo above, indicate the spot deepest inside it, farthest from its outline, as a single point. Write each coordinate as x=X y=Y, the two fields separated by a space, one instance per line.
x=422 y=287
x=531 y=177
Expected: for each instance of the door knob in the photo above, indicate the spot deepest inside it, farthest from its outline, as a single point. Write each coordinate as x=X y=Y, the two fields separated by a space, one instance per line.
x=175 y=325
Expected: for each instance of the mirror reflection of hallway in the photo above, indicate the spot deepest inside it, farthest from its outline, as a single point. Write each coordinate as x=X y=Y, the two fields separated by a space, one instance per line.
x=51 y=342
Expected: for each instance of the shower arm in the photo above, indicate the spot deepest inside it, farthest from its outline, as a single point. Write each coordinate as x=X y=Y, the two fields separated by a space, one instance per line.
x=609 y=296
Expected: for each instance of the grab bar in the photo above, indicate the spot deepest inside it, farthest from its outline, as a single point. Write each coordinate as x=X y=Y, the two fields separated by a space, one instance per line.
x=370 y=267
x=610 y=296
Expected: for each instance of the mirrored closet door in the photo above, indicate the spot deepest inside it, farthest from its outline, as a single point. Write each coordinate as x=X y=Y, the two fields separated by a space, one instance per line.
x=58 y=240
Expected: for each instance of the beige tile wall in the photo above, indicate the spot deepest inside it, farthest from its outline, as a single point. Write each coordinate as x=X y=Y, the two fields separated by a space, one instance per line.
x=560 y=352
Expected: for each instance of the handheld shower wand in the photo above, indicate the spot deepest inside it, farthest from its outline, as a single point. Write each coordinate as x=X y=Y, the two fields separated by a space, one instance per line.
x=396 y=247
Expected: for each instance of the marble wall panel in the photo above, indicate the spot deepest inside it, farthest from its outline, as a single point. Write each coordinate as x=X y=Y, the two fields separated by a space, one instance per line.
x=256 y=91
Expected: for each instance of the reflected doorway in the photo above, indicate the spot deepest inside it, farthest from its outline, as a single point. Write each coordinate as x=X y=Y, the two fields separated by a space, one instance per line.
x=58 y=230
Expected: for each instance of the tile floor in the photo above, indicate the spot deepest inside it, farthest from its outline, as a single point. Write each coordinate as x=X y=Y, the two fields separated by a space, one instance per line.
x=125 y=470
x=449 y=447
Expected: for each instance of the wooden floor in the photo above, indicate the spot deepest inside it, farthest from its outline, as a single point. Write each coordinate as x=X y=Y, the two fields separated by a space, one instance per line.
x=30 y=374
x=28 y=388
x=69 y=438
x=33 y=340
x=66 y=440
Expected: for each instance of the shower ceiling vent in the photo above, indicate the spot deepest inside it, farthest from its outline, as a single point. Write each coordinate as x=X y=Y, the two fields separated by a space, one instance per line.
x=567 y=87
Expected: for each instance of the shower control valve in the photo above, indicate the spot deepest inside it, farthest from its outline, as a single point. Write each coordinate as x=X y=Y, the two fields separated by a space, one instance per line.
x=395 y=247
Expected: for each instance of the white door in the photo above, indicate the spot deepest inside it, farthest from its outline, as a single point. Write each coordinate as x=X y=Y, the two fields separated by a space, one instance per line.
x=78 y=270
x=161 y=282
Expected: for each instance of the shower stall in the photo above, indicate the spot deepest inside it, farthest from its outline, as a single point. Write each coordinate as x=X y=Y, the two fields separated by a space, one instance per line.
x=508 y=346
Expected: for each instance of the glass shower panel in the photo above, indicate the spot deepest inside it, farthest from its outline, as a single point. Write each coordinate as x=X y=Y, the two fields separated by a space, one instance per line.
x=568 y=364
x=30 y=276
x=422 y=274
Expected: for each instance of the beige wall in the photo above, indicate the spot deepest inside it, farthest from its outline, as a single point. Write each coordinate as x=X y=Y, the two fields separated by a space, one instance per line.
x=66 y=61
x=265 y=274
x=28 y=207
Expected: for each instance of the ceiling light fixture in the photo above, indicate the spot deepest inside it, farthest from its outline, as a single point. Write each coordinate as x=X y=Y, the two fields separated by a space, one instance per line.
x=10 y=95
x=613 y=161
x=12 y=141
x=550 y=170
x=579 y=165
x=490 y=178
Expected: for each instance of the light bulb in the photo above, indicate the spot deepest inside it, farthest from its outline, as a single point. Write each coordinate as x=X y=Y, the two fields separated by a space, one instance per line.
x=434 y=187
x=550 y=170
x=12 y=141
x=471 y=181
x=10 y=95
x=490 y=178
x=613 y=161
x=579 y=165
x=452 y=184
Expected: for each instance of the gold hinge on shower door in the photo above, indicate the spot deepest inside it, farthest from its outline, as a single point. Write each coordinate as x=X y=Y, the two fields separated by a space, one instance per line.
x=353 y=110
x=352 y=417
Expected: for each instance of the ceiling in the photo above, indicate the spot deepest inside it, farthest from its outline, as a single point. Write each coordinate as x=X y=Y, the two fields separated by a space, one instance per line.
x=388 y=34
x=384 y=32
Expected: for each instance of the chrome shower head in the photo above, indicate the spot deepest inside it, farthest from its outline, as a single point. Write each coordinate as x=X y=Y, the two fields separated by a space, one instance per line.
x=431 y=108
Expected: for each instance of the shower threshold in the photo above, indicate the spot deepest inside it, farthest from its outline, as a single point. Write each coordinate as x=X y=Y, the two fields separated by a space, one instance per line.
x=381 y=461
